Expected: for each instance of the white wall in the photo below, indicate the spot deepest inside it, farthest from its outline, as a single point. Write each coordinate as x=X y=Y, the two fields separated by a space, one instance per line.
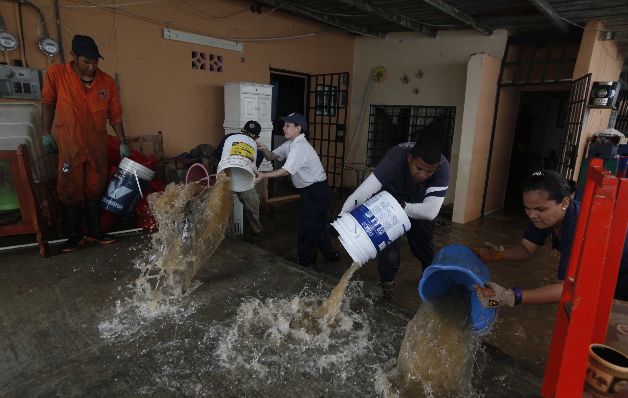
x=443 y=61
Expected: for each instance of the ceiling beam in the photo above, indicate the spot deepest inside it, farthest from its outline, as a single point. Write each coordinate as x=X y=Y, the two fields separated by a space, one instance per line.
x=460 y=15
x=322 y=17
x=546 y=9
x=366 y=6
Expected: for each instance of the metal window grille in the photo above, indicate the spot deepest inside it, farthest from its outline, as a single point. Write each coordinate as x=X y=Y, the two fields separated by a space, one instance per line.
x=390 y=125
x=621 y=123
x=538 y=62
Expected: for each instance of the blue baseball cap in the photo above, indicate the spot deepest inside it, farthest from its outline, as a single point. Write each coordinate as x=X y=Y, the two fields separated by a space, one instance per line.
x=296 y=118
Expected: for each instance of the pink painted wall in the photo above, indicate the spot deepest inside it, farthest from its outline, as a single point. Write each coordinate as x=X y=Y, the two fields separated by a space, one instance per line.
x=159 y=88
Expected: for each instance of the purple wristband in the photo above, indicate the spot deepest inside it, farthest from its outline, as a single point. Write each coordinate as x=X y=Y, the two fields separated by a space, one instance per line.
x=518 y=295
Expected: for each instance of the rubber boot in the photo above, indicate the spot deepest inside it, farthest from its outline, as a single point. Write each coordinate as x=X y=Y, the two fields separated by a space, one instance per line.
x=94 y=233
x=73 y=222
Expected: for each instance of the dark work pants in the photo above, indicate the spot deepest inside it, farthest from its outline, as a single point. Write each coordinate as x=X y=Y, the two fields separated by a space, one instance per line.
x=315 y=200
x=421 y=241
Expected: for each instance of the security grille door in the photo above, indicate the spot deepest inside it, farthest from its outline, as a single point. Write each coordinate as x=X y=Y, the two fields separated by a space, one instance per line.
x=576 y=108
x=327 y=99
x=621 y=123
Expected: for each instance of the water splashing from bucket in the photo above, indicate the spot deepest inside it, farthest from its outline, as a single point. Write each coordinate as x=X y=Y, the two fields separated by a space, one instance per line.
x=192 y=223
x=330 y=307
x=437 y=354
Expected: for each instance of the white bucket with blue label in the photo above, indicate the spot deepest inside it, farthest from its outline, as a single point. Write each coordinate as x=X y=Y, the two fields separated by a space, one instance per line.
x=238 y=156
x=371 y=227
x=126 y=187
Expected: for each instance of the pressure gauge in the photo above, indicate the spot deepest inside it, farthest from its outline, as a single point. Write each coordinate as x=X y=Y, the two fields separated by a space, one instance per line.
x=49 y=47
x=8 y=42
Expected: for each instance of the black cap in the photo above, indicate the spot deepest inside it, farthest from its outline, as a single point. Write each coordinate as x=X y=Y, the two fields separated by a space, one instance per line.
x=252 y=128
x=85 y=46
x=296 y=118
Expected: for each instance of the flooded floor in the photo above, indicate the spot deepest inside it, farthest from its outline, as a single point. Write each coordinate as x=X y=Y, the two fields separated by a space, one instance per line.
x=71 y=328
x=70 y=323
x=523 y=333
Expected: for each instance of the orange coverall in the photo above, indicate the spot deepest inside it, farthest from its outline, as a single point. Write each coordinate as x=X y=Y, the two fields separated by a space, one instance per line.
x=80 y=129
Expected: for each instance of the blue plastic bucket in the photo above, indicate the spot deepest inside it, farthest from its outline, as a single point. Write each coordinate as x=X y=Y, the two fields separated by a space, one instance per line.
x=457 y=265
x=126 y=187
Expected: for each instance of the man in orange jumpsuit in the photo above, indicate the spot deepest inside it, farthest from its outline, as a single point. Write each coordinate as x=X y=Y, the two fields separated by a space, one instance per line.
x=80 y=98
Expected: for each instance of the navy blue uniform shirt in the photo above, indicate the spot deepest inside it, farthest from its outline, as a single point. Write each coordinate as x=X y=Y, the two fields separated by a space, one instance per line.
x=565 y=242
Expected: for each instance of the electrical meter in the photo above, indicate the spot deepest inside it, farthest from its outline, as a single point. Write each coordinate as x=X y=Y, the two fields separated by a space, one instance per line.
x=19 y=82
x=49 y=47
x=8 y=42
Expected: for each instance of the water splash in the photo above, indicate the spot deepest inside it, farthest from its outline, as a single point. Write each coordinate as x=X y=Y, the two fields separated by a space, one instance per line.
x=330 y=308
x=192 y=223
x=279 y=341
x=437 y=355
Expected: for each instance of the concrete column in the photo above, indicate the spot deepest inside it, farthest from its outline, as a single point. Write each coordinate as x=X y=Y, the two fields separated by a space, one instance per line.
x=477 y=120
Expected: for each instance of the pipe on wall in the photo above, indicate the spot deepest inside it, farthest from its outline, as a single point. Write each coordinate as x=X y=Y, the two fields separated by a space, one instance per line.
x=59 y=36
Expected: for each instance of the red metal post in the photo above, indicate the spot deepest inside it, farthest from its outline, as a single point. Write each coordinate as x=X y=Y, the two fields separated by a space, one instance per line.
x=587 y=296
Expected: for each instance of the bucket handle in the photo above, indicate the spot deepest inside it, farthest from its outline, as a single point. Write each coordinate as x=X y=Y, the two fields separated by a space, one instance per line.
x=137 y=181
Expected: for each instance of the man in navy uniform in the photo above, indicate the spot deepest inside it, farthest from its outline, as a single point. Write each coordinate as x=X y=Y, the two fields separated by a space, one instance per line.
x=417 y=175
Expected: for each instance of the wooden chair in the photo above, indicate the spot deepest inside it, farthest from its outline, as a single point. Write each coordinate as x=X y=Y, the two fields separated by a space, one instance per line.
x=151 y=144
x=22 y=178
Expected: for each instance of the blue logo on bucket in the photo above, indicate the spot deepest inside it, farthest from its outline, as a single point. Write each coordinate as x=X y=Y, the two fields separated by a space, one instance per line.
x=123 y=193
x=375 y=231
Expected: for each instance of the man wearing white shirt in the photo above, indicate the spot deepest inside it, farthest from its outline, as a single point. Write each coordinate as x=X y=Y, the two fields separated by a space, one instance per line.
x=308 y=176
x=417 y=175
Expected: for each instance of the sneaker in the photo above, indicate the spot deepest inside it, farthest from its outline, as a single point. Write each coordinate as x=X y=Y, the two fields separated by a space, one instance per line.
x=387 y=290
x=102 y=238
x=72 y=244
x=332 y=257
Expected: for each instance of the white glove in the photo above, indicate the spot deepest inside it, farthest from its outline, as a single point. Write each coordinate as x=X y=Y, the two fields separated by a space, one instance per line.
x=370 y=186
x=495 y=296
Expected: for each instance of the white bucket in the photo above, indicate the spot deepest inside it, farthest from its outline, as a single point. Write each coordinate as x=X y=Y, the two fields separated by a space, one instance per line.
x=371 y=227
x=239 y=155
x=126 y=187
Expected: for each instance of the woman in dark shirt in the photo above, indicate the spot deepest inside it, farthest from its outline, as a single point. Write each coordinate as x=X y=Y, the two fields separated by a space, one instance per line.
x=552 y=212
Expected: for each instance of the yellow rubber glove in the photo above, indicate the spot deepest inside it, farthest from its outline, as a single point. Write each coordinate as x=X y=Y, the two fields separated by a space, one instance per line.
x=488 y=255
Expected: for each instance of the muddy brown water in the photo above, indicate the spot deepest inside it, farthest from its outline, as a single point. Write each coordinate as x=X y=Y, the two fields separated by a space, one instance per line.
x=248 y=324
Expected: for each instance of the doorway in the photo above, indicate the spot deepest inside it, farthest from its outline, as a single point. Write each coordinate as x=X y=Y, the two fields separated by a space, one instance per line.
x=289 y=90
x=537 y=142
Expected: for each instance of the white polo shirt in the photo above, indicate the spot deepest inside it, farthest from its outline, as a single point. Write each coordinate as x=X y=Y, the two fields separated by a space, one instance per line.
x=302 y=162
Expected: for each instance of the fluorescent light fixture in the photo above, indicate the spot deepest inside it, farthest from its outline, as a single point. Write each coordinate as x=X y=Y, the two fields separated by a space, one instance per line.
x=203 y=40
